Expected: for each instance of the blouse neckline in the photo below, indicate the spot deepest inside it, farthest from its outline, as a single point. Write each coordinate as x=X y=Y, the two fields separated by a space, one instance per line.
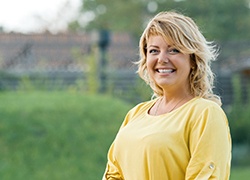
x=165 y=114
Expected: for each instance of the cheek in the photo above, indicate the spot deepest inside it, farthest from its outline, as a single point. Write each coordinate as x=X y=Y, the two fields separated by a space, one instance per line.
x=149 y=62
x=149 y=66
x=186 y=63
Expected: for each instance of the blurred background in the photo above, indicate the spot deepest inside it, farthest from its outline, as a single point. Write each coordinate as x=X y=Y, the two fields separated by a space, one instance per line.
x=67 y=79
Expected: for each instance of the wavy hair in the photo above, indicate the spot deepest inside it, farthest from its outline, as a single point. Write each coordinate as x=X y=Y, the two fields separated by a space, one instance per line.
x=182 y=32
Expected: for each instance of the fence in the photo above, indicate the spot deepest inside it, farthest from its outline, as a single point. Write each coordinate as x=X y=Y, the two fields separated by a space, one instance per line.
x=60 y=62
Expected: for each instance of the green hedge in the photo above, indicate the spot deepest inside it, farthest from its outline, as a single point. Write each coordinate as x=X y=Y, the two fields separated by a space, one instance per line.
x=56 y=135
x=239 y=120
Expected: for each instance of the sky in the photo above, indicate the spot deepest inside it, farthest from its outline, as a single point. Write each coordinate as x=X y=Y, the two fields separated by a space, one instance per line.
x=34 y=16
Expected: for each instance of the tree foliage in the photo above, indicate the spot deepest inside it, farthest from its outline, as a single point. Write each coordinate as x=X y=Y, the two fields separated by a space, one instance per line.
x=115 y=15
x=219 y=19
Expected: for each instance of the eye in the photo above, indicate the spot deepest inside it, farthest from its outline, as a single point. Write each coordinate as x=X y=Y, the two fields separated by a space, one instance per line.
x=173 y=51
x=153 y=51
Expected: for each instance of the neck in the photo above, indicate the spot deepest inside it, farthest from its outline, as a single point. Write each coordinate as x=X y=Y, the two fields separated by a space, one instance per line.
x=176 y=91
x=173 y=96
x=168 y=103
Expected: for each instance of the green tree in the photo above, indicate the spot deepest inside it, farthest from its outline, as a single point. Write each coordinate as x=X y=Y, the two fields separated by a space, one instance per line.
x=115 y=15
x=222 y=20
x=219 y=19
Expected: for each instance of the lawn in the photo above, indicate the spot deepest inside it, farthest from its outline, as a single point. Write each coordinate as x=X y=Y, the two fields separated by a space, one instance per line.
x=56 y=135
x=240 y=173
x=60 y=135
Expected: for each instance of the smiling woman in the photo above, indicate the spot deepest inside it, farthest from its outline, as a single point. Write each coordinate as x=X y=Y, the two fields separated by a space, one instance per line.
x=183 y=133
x=36 y=16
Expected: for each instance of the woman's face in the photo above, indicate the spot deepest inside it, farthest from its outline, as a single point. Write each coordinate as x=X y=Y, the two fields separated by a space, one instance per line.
x=166 y=65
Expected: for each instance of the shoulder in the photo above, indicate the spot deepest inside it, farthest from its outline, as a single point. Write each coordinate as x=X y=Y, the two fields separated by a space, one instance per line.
x=142 y=107
x=138 y=110
x=205 y=110
x=202 y=104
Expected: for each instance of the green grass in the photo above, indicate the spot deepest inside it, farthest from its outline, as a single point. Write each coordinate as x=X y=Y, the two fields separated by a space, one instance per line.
x=56 y=135
x=240 y=173
x=60 y=135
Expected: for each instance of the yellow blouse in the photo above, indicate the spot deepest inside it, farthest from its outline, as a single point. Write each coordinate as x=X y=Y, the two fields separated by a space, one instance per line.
x=191 y=142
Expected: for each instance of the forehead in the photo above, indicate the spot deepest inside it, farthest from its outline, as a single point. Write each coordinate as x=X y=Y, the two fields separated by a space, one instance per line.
x=158 y=40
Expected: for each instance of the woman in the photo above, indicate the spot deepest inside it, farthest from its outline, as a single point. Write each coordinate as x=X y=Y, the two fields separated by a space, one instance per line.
x=182 y=133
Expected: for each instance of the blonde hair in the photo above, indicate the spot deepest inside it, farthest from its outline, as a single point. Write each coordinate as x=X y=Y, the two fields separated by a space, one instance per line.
x=182 y=32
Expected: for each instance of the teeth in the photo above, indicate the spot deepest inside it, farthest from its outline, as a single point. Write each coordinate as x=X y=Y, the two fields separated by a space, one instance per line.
x=165 y=70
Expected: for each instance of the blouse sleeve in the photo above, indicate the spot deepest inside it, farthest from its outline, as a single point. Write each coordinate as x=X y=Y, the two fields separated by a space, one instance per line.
x=210 y=147
x=113 y=171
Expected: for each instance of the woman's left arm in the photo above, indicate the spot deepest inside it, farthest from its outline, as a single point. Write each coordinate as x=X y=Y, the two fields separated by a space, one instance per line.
x=210 y=146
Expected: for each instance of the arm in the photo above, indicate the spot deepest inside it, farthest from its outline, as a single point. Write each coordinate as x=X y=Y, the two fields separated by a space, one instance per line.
x=210 y=146
x=112 y=171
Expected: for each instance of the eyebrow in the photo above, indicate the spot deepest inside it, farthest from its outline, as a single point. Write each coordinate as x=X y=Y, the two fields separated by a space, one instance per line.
x=155 y=46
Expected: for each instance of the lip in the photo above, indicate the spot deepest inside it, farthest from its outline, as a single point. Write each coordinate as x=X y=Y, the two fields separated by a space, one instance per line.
x=165 y=70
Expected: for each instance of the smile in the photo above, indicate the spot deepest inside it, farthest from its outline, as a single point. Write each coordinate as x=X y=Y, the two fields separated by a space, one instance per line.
x=165 y=70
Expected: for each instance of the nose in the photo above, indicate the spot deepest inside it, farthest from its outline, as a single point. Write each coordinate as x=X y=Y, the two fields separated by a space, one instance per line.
x=163 y=58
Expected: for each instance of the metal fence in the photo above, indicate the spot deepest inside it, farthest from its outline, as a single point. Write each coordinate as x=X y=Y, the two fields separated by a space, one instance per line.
x=60 y=62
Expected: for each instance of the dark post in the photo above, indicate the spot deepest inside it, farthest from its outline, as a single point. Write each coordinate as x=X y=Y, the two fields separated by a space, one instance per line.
x=103 y=43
